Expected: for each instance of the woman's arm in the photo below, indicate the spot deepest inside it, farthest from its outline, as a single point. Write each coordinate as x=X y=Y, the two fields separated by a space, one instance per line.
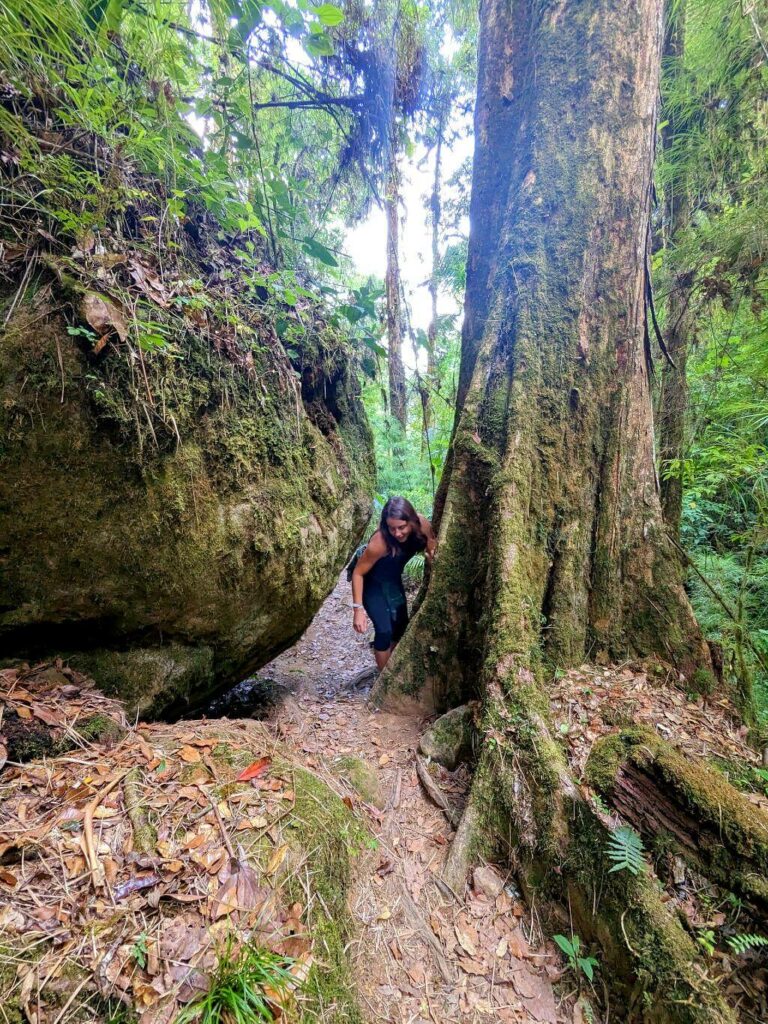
x=429 y=533
x=375 y=549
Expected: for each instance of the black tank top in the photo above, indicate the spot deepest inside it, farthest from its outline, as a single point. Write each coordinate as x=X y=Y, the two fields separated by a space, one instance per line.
x=387 y=572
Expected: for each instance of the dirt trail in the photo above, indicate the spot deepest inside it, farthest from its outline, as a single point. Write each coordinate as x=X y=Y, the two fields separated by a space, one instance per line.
x=422 y=955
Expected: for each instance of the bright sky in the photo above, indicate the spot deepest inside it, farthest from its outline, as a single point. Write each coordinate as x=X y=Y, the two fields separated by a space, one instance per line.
x=366 y=243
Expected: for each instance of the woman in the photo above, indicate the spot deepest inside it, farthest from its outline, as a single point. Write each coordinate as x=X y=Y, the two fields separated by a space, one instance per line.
x=377 y=579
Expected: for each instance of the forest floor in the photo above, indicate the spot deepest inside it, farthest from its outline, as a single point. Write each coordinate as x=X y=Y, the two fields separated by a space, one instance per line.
x=421 y=953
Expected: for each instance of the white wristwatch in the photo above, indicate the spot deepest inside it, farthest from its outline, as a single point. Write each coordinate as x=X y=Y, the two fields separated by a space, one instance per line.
x=358 y=605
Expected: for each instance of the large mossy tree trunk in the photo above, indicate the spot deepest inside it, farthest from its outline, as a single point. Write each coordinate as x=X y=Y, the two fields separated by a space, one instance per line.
x=673 y=393
x=552 y=545
x=552 y=542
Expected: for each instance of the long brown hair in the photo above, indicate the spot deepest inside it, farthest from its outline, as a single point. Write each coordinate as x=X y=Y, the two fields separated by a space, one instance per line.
x=399 y=508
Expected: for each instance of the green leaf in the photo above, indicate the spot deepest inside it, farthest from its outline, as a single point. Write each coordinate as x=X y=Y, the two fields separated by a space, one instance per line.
x=565 y=944
x=330 y=15
x=587 y=964
x=374 y=346
x=319 y=46
x=625 y=851
x=320 y=252
x=352 y=313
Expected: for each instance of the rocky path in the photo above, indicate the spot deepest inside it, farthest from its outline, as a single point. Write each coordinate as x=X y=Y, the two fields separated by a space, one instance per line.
x=422 y=954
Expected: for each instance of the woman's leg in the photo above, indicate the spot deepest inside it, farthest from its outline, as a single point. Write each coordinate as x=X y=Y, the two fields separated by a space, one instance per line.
x=399 y=622
x=378 y=612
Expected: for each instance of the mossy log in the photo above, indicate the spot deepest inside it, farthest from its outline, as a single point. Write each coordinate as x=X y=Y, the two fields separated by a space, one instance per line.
x=524 y=807
x=660 y=791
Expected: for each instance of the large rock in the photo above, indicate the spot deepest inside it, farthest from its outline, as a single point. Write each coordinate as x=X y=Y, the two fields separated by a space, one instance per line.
x=171 y=518
x=449 y=739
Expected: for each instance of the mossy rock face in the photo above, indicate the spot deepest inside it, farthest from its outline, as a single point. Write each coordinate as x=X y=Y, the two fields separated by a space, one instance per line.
x=449 y=739
x=171 y=528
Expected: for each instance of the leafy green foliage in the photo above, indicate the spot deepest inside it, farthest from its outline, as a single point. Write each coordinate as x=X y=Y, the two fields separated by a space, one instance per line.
x=579 y=964
x=705 y=937
x=625 y=851
x=242 y=988
x=743 y=943
x=713 y=175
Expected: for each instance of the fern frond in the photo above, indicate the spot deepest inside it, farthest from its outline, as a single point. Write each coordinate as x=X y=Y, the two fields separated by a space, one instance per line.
x=745 y=942
x=626 y=851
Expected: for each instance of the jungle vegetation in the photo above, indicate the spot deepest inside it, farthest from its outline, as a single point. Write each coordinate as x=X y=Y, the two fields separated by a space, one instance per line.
x=590 y=437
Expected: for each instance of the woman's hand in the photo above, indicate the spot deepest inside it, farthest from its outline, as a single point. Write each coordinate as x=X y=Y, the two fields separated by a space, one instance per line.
x=360 y=620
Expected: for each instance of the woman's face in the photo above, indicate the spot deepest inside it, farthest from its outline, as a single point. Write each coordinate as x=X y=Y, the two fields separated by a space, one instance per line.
x=400 y=529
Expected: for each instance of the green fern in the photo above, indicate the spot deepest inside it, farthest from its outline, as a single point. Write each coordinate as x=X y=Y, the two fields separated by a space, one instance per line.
x=626 y=851
x=745 y=942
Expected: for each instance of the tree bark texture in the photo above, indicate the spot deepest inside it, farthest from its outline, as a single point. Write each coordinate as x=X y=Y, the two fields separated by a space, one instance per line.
x=397 y=398
x=661 y=792
x=552 y=541
x=673 y=395
x=552 y=546
x=673 y=404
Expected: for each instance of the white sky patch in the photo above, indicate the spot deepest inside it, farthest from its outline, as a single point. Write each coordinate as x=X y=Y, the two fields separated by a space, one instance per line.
x=366 y=242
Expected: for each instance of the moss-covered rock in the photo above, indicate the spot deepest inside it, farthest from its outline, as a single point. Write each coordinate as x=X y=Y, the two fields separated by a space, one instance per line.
x=172 y=518
x=449 y=739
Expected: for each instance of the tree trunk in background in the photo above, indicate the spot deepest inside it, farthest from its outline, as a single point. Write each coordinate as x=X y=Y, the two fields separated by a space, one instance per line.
x=397 y=403
x=496 y=166
x=435 y=208
x=673 y=395
x=673 y=403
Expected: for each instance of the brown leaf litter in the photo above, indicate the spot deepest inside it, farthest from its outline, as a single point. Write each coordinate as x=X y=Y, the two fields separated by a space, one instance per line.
x=54 y=705
x=590 y=702
x=124 y=876
x=421 y=955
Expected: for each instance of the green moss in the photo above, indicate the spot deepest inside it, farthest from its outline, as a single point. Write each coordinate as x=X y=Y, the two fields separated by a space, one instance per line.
x=329 y=835
x=605 y=759
x=731 y=838
x=12 y=1012
x=169 y=512
x=703 y=682
x=362 y=777
x=100 y=729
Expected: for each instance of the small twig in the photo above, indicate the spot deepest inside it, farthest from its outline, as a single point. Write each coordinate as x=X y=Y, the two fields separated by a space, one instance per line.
x=222 y=829
x=398 y=790
x=624 y=933
x=90 y=848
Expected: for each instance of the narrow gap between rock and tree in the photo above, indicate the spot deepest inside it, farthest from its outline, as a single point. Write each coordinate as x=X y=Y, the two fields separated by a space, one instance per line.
x=265 y=267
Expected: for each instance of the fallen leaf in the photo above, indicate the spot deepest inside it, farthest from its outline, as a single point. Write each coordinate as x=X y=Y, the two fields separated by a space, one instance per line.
x=277 y=858
x=189 y=754
x=255 y=770
x=103 y=315
x=241 y=891
x=385 y=914
x=135 y=884
x=466 y=940
x=470 y=966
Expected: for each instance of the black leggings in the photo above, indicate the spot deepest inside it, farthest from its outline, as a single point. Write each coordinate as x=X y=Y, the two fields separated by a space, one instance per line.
x=389 y=620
